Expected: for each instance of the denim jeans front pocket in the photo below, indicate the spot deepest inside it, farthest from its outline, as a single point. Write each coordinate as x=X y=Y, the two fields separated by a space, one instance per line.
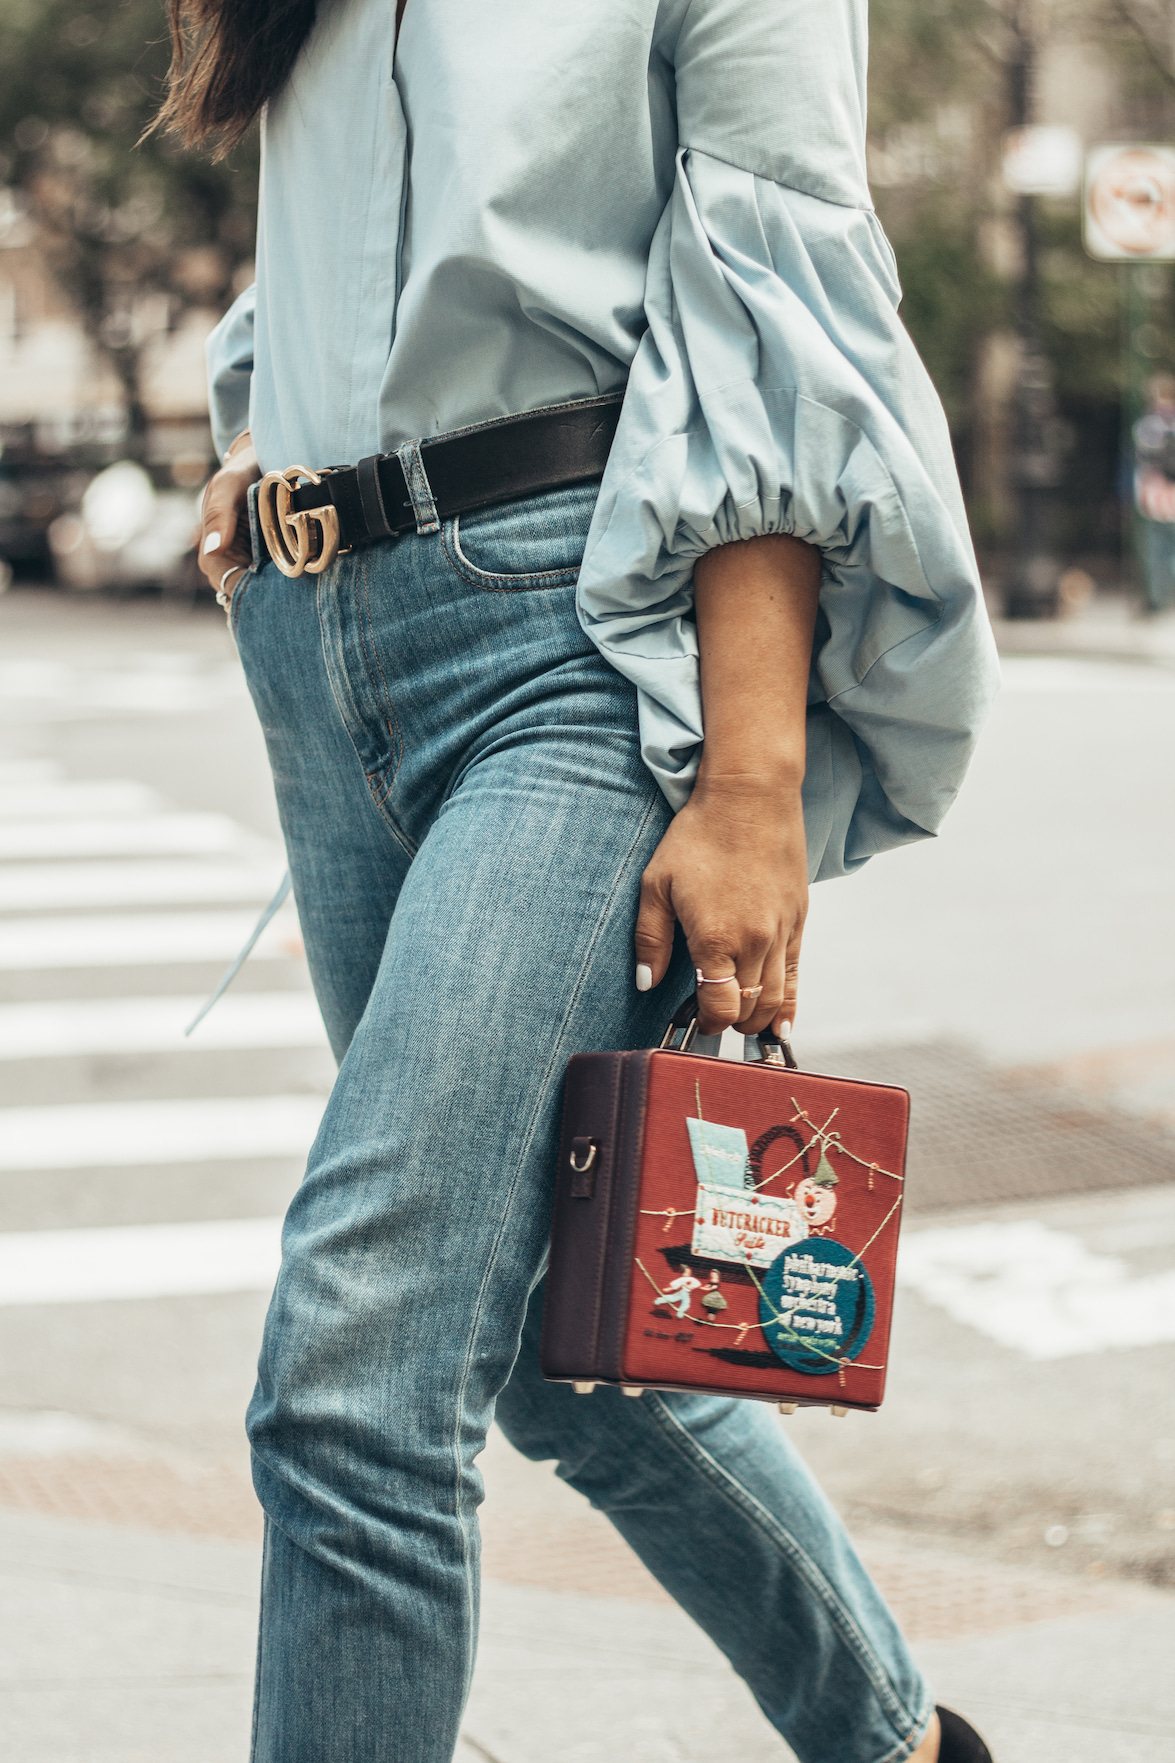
x=236 y=598
x=535 y=543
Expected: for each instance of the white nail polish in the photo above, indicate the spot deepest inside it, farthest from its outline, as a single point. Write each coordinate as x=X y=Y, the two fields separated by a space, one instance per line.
x=785 y=1031
x=211 y=543
x=644 y=977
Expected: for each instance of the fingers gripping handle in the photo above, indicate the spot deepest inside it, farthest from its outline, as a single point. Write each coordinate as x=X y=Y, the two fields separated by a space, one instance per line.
x=684 y=1021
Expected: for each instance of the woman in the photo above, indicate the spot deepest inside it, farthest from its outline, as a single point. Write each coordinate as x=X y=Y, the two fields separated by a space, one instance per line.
x=640 y=217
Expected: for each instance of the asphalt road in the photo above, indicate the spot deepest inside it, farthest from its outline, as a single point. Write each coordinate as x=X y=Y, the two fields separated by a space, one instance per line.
x=1017 y=973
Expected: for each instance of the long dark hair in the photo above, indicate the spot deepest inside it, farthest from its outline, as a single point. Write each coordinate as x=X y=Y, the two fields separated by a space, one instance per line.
x=227 y=58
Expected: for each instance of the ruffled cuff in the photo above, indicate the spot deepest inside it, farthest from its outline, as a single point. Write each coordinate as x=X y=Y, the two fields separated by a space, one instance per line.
x=776 y=391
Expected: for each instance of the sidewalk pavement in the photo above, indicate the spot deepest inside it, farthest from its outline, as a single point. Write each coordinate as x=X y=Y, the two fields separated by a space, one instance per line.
x=1014 y=1509
x=126 y=1647
x=1110 y=627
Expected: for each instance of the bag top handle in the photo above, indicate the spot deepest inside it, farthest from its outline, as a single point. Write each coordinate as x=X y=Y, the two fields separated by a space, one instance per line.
x=685 y=1021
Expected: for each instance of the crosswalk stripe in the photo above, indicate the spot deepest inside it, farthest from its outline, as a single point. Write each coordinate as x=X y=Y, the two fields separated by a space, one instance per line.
x=156 y=1025
x=51 y=799
x=107 y=1135
x=29 y=771
x=1039 y=1291
x=146 y=939
x=59 y=692
x=139 y=1261
x=30 y=887
x=148 y=835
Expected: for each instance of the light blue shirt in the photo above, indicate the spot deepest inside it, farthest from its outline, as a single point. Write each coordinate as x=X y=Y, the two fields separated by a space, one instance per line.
x=524 y=203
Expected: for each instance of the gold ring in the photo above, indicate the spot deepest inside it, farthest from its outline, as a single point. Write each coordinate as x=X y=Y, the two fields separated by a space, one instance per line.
x=749 y=991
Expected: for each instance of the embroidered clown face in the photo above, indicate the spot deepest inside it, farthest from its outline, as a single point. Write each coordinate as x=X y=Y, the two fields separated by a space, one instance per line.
x=816 y=1195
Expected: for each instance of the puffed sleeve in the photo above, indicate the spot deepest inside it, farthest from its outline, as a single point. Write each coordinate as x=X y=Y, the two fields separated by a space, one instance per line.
x=776 y=391
x=229 y=356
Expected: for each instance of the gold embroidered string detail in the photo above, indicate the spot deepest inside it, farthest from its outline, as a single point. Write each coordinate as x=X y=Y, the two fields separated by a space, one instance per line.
x=877 y=1232
x=743 y=1328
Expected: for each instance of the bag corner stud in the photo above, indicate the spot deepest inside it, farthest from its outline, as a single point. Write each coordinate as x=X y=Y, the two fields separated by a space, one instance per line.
x=837 y=1413
x=632 y=1389
x=788 y=1407
x=583 y=1389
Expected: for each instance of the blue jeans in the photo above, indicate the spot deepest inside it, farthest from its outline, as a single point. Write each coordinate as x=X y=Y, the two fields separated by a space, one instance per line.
x=467 y=817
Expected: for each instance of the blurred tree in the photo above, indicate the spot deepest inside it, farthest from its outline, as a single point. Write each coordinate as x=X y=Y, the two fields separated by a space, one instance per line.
x=135 y=236
x=936 y=111
x=1153 y=23
x=942 y=92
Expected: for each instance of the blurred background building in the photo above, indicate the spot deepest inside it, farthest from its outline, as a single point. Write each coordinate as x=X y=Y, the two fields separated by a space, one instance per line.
x=117 y=256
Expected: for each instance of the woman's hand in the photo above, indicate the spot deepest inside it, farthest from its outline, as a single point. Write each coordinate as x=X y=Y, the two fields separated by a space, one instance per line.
x=732 y=868
x=222 y=539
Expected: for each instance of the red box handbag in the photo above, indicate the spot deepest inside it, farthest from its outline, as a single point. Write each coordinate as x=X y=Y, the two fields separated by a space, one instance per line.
x=724 y=1227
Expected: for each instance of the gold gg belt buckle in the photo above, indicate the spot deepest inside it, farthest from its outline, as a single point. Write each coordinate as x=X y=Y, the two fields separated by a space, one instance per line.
x=300 y=543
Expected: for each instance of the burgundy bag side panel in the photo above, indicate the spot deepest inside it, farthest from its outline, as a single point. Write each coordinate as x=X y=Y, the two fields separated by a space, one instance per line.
x=627 y=1186
x=579 y=1237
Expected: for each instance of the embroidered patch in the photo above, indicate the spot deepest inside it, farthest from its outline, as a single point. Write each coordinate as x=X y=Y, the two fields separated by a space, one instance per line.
x=678 y=1293
x=816 y=1306
x=720 y=1154
x=750 y=1229
x=816 y=1194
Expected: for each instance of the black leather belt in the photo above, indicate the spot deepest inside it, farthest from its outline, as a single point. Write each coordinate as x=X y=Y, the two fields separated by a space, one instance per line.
x=306 y=524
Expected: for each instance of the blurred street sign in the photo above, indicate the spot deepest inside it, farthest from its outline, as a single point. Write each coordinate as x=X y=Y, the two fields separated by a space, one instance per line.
x=1042 y=161
x=1129 y=212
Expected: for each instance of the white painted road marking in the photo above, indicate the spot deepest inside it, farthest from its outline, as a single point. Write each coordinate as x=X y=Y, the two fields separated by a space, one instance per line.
x=1037 y=1290
x=19 y=772
x=53 y=800
x=110 y=1135
x=146 y=939
x=47 y=691
x=1082 y=674
x=146 y=835
x=32 y=887
x=156 y=1025
x=139 y=1261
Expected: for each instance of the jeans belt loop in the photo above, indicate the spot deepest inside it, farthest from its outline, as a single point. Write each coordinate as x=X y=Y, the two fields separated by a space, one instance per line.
x=419 y=488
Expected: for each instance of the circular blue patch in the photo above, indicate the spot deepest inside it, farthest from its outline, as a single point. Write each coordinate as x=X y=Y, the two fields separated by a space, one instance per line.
x=816 y=1306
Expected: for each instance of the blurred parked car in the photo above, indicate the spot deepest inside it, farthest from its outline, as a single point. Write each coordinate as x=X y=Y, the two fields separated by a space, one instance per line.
x=127 y=534
x=28 y=504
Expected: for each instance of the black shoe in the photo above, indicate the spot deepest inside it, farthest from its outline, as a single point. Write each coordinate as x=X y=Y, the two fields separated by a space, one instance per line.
x=960 y=1743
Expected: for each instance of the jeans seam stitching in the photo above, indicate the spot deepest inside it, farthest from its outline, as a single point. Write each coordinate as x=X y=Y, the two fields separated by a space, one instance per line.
x=486 y=579
x=812 y=1575
x=381 y=686
x=491 y=1258
x=253 y=1731
x=348 y=719
x=381 y=804
x=235 y=599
